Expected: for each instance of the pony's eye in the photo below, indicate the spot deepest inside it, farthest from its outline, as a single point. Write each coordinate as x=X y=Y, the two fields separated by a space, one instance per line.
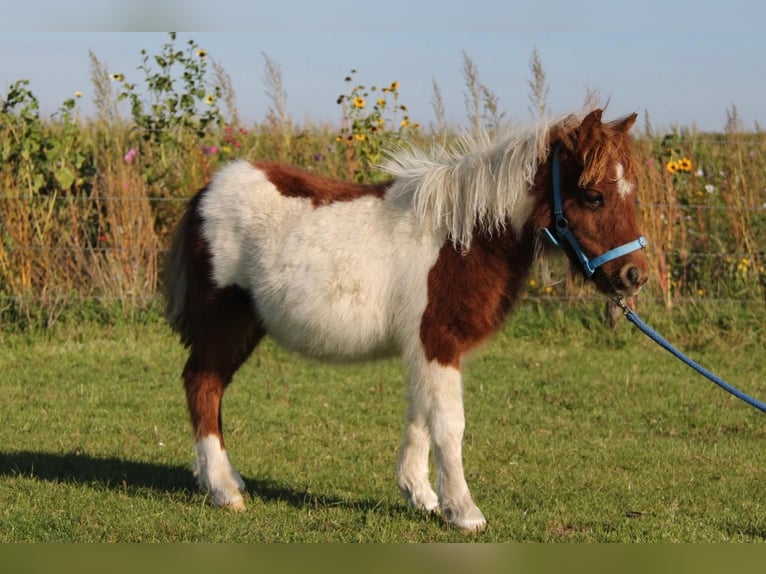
x=594 y=199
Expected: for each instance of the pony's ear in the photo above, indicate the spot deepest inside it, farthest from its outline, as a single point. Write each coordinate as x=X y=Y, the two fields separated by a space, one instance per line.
x=626 y=123
x=592 y=123
x=590 y=132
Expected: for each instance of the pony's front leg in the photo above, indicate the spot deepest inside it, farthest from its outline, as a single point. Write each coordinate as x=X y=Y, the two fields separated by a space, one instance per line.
x=441 y=394
x=412 y=469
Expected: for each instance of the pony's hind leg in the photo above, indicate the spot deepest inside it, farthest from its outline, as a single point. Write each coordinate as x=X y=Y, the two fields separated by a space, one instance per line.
x=223 y=342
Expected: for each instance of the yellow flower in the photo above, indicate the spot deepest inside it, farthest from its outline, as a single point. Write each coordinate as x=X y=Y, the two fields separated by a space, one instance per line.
x=532 y=283
x=671 y=166
x=548 y=290
x=78 y=94
x=338 y=139
x=382 y=102
x=359 y=102
x=202 y=53
x=684 y=164
x=394 y=86
x=117 y=77
x=405 y=122
x=209 y=100
x=226 y=149
x=360 y=137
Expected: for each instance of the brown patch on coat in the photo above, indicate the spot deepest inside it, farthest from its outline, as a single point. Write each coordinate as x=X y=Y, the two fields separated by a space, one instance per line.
x=294 y=182
x=470 y=295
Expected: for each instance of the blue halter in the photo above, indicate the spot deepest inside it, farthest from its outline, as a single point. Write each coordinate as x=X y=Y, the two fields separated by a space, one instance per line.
x=561 y=230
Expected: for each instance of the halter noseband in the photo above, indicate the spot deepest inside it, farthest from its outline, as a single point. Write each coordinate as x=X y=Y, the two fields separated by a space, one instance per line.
x=561 y=230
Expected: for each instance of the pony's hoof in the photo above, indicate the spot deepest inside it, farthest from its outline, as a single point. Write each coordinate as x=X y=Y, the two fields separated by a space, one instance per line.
x=230 y=499
x=470 y=520
x=237 y=506
x=423 y=499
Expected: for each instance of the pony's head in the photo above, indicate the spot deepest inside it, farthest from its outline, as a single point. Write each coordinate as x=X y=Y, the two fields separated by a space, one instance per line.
x=589 y=207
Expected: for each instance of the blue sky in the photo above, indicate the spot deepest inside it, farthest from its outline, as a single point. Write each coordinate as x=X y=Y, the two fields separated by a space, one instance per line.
x=684 y=62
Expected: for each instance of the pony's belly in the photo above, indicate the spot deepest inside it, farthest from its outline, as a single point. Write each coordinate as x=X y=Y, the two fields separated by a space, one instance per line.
x=344 y=331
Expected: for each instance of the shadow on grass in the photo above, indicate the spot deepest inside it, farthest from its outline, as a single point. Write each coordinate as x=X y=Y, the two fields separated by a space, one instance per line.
x=132 y=476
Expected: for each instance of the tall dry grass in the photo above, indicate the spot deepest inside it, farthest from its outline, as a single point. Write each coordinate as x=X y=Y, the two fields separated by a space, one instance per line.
x=104 y=240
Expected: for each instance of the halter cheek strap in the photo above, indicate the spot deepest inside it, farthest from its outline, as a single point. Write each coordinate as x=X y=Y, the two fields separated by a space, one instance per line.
x=561 y=231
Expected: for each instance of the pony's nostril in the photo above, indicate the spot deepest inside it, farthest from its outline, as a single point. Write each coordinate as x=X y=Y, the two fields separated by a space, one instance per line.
x=634 y=275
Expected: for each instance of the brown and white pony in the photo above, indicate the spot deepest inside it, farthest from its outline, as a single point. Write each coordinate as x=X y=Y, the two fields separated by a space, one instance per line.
x=426 y=266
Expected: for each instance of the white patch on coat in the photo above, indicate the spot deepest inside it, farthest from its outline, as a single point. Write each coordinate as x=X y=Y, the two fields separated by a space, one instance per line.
x=216 y=475
x=624 y=187
x=341 y=281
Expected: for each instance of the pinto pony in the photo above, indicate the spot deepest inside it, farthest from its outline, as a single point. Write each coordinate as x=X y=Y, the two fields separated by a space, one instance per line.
x=425 y=266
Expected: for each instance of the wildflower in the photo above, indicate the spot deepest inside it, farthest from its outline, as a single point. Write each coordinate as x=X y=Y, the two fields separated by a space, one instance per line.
x=710 y=188
x=78 y=94
x=359 y=102
x=209 y=100
x=386 y=90
x=405 y=122
x=394 y=86
x=226 y=149
x=213 y=149
x=360 y=137
x=382 y=102
x=202 y=53
x=671 y=167
x=684 y=164
x=117 y=77
x=338 y=138
x=548 y=290
x=532 y=283
x=130 y=156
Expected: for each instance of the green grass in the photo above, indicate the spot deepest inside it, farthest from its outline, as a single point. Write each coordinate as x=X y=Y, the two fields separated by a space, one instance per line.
x=574 y=432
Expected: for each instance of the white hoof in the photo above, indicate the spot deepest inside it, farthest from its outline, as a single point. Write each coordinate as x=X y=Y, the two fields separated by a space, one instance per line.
x=467 y=517
x=421 y=499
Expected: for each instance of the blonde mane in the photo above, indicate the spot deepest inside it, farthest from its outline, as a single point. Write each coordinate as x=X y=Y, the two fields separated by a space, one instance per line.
x=479 y=183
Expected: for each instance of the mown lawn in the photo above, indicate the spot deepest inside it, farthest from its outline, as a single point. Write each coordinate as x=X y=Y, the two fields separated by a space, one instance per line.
x=575 y=432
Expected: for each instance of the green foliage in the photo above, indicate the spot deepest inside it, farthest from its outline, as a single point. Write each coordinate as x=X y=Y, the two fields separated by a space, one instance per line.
x=370 y=128
x=45 y=157
x=181 y=98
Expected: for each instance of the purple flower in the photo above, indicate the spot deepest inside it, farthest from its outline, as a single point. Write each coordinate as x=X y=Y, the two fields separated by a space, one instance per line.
x=131 y=155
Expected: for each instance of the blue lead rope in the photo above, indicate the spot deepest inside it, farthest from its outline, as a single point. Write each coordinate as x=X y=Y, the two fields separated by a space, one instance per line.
x=657 y=338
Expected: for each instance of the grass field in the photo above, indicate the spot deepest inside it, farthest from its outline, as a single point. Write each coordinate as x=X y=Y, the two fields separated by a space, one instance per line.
x=575 y=432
